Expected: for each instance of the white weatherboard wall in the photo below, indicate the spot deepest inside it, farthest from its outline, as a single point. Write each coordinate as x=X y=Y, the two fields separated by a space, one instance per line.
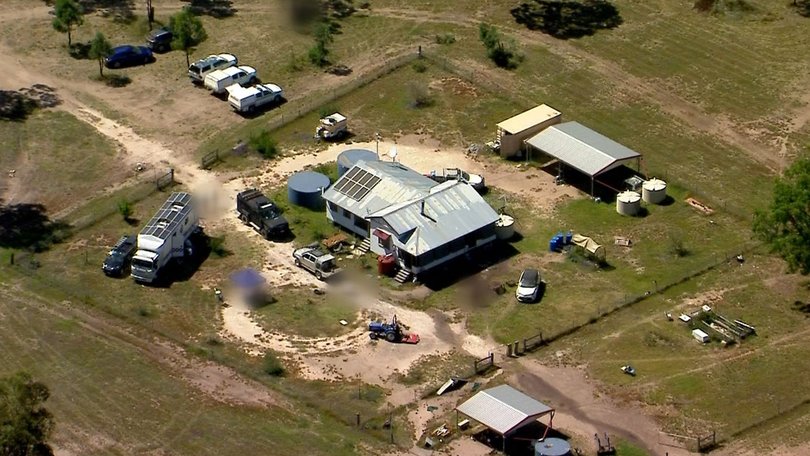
x=337 y=215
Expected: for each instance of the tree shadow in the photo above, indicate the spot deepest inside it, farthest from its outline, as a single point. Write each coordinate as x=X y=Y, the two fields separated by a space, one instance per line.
x=567 y=19
x=802 y=7
x=80 y=51
x=467 y=265
x=121 y=11
x=117 y=80
x=218 y=9
x=26 y=226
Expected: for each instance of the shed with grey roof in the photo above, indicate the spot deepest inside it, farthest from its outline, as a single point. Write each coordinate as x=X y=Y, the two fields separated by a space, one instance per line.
x=583 y=149
x=503 y=409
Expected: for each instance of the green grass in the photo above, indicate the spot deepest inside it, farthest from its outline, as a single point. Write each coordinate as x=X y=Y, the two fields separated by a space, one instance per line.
x=434 y=370
x=625 y=448
x=44 y=147
x=302 y=312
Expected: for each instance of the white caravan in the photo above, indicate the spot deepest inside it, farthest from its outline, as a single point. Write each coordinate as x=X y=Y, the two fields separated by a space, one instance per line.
x=218 y=81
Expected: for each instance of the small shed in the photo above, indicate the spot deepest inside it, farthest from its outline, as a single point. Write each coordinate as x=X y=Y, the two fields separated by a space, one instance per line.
x=513 y=131
x=504 y=410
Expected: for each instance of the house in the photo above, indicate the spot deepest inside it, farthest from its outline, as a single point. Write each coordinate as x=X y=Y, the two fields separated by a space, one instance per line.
x=409 y=216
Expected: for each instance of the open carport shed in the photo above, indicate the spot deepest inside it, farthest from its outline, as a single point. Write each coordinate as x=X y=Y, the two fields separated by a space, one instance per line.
x=583 y=149
x=504 y=410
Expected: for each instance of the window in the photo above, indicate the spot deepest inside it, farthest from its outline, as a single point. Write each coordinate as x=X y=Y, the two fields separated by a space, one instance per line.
x=332 y=206
x=346 y=213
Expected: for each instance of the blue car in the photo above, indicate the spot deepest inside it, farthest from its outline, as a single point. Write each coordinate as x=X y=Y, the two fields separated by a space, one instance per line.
x=124 y=56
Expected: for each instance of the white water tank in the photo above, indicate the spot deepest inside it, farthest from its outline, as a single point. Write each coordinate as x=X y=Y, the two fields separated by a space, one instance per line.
x=654 y=191
x=628 y=203
x=505 y=227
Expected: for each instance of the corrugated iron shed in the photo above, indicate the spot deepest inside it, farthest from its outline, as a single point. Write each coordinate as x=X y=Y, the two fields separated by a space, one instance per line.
x=528 y=119
x=582 y=148
x=503 y=409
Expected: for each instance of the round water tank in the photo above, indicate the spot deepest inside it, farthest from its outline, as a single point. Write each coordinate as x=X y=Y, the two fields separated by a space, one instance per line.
x=552 y=446
x=350 y=157
x=505 y=227
x=654 y=191
x=304 y=189
x=628 y=203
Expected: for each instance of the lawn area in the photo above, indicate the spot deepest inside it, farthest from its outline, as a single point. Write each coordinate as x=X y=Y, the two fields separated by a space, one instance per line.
x=303 y=313
x=707 y=384
x=64 y=159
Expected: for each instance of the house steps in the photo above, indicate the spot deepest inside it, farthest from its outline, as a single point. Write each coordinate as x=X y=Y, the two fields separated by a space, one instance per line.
x=364 y=247
x=402 y=276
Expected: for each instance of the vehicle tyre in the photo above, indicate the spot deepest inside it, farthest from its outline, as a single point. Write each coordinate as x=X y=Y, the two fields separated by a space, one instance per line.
x=145 y=60
x=116 y=65
x=319 y=275
x=372 y=336
x=251 y=109
x=390 y=337
x=297 y=262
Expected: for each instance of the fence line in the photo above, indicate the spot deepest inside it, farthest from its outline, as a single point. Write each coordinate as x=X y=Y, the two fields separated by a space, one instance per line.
x=208 y=160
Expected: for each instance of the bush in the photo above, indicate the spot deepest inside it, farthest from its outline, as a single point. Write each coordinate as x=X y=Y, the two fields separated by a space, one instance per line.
x=264 y=144
x=677 y=247
x=447 y=38
x=318 y=55
x=272 y=366
x=503 y=54
x=125 y=209
x=419 y=66
x=217 y=246
x=327 y=110
x=420 y=96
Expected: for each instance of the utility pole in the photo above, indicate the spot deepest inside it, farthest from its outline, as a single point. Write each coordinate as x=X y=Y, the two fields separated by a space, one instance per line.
x=378 y=137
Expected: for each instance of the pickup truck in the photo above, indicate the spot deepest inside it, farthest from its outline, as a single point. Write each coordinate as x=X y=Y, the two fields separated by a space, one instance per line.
x=321 y=264
x=219 y=81
x=249 y=99
x=198 y=70
x=477 y=181
x=258 y=211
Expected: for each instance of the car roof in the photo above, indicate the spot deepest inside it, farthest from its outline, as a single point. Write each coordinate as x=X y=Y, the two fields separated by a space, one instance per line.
x=530 y=274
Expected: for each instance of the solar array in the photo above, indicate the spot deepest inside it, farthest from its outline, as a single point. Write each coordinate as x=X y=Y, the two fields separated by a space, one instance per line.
x=172 y=213
x=356 y=183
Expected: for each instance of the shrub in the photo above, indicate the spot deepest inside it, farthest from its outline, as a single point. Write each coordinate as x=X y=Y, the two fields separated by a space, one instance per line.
x=125 y=209
x=326 y=110
x=419 y=66
x=272 y=366
x=264 y=144
x=447 y=38
x=677 y=246
x=420 y=96
x=503 y=54
x=217 y=246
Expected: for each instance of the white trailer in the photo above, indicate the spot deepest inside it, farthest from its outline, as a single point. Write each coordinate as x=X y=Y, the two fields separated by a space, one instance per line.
x=249 y=99
x=165 y=237
x=701 y=336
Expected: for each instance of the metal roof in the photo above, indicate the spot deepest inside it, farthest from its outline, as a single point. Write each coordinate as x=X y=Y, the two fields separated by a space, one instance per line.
x=528 y=119
x=450 y=211
x=169 y=216
x=582 y=148
x=398 y=183
x=503 y=409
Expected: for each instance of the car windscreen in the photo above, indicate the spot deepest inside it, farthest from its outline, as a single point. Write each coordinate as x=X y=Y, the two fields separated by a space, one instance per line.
x=141 y=263
x=194 y=69
x=529 y=279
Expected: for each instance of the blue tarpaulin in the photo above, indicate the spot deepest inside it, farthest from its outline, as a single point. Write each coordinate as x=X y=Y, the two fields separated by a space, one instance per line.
x=247 y=278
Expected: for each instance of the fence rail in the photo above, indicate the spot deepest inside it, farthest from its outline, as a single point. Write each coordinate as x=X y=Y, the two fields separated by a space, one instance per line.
x=208 y=160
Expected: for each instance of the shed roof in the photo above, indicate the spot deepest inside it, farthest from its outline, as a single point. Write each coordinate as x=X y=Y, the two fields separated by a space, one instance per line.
x=503 y=409
x=528 y=119
x=582 y=148
x=397 y=183
x=449 y=211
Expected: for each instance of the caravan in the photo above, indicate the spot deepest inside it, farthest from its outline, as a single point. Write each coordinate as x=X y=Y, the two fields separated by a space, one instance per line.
x=165 y=237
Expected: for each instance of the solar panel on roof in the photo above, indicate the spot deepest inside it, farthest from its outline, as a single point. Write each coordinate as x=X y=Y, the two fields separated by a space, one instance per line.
x=170 y=214
x=357 y=183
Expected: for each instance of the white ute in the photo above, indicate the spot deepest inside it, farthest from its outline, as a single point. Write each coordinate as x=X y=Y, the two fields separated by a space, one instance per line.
x=198 y=70
x=249 y=99
x=220 y=80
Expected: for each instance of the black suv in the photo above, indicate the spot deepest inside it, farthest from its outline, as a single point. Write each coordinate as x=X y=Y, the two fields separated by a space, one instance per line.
x=160 y=40
x=118 y=258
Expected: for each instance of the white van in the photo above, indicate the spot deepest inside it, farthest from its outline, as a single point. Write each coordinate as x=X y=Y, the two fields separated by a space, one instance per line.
x=198 y=70
x=249 y=99
x=220 y=80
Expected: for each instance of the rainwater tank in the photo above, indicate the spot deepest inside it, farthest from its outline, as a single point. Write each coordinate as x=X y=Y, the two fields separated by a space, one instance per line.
x=628 y=203
x=505 y=227
x=350 y=157
x=304 y=189
x=552 y=446
x=654 y=191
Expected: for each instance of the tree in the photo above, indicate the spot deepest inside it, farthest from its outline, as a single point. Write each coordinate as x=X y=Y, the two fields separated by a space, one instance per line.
x=24 y=423
x=125 y=209
x=150 y=13
x=319 y=53
x=68 y=14
x=505 y=55
x=99 y=49
x=785 y=225
x=188 y=31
